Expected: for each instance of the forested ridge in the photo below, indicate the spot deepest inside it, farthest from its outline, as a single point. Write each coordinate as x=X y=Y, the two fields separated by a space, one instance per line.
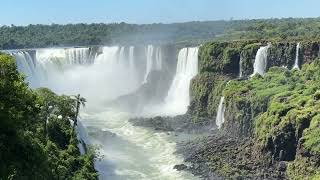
x=34 y=36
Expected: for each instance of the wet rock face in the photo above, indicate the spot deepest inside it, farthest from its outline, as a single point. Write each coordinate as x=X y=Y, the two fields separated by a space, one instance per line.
x=180 y=167
x=205 y=92
x=239 y=118
x=282 y=55
x=152 y=92
x=310 y=51
x=222 y=157
x=176 y=124
x=247 y=57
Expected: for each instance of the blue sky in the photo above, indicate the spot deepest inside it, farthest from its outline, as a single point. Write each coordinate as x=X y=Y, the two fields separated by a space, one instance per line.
x=23 y=12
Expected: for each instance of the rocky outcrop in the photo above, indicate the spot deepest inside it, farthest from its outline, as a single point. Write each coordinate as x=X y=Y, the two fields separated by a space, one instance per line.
x=176 y=124
x=206 y=90
x=151 y=92
x=221 y=157
x=282 y=54
x=310 y=51
x=278 y=112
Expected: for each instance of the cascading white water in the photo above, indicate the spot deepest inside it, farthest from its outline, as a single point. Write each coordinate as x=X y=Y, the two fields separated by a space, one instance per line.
x=240 y=68
x=158 y=58
x=149 y=62
x=178 y=98
x=220 y=113
x=296 y=62
x=121 y=57
x=131 y=58
x=153 y=60
x=25 y=65
x=260 y=63
x=77 y=55
x=129 y=152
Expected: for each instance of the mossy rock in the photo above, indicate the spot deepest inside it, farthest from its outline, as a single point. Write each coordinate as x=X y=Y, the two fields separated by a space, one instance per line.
x=206 y=90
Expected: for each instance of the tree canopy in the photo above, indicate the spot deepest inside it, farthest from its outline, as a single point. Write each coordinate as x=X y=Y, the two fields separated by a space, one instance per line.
x=36 y=136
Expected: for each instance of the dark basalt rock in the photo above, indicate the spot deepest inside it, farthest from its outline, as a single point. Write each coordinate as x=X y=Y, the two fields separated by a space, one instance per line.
x=178 y=124
x=282 y=166
x=180 y=167
x=152 y=92
x=222 y=157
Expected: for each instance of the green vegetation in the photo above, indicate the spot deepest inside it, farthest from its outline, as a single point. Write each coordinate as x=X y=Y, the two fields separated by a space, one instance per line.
x=273 y=29
x=285 y=113
x=36 y=137
x=277 y=114
x=206 y=90
x=222 y=60
x=13 y=37
x=189 y=33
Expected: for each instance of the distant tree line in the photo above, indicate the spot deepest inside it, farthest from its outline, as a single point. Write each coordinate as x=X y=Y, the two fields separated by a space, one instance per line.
x=280 y=29
x=13 y=37
x=31 y=36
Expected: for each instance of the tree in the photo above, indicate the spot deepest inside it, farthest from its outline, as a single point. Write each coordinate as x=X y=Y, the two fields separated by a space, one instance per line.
x=80 y=101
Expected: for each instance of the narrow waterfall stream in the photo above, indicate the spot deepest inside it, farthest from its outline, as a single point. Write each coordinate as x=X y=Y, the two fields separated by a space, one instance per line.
x=220 y=113
x=296 y=62
x=260 y=63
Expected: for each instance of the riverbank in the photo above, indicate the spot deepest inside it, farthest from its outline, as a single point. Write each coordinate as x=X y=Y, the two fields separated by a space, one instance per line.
x=210 y=154
x=266 y=97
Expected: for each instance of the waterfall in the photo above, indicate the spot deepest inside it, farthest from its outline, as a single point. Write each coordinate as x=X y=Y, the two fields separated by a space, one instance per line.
x=240 y=69
x=158 y=58
x=48 y=65
x=25 y=64
x=260 y=63
x=101 y=79
x=296 y=62
x=178 y=98
x=153 y=60
x=220 y=113
x=51 y=67
x=78 y=55
x=149 y=62
x=82 y=136
x=121 y=57
x=109 y=56
x=131 y=58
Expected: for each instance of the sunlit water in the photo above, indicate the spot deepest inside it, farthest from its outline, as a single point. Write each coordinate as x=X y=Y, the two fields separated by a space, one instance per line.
x=127 y=152
x=131 y=152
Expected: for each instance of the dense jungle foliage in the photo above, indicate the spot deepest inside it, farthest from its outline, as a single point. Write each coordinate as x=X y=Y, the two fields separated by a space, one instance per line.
x=37 y=140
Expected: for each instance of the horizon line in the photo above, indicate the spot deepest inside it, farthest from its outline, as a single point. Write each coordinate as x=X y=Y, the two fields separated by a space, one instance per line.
x=159 y=23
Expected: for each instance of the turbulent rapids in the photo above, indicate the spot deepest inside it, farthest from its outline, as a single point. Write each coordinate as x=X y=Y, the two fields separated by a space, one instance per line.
x=119 y=83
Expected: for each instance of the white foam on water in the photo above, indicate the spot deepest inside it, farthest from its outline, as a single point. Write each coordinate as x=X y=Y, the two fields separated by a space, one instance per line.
x=129 y=152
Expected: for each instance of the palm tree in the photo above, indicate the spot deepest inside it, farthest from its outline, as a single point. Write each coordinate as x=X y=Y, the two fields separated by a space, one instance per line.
x=80 y=101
